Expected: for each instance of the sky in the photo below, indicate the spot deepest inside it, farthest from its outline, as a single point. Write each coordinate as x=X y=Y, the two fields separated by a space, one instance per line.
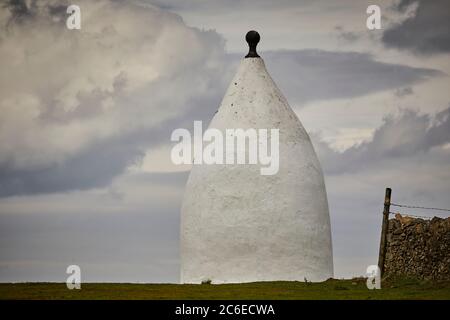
x=86 y=117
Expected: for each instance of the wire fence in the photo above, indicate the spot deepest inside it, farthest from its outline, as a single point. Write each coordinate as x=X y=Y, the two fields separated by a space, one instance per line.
x=413 y=216
x=416 y=207
x=385 y=223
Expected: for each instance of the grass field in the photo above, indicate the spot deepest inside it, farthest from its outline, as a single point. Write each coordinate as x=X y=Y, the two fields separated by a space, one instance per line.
x=330 y=289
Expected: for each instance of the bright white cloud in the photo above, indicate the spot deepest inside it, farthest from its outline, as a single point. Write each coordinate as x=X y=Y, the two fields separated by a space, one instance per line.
x=63 y=90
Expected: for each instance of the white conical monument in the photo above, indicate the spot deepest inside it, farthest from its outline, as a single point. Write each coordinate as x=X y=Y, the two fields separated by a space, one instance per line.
x=238 y=225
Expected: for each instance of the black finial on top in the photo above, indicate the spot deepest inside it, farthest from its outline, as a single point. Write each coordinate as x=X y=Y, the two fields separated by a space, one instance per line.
x=252 y=39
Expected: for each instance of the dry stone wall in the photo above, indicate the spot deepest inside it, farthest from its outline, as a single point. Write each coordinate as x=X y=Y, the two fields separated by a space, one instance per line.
x=418 y=247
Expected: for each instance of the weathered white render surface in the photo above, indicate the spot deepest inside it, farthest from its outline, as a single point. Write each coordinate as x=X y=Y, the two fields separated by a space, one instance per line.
x=240 y=226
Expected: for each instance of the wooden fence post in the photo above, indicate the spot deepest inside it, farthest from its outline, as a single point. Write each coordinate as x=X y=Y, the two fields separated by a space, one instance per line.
x=384 y=230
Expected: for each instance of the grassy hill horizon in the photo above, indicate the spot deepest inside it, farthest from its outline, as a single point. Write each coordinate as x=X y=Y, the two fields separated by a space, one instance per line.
x=354 y=289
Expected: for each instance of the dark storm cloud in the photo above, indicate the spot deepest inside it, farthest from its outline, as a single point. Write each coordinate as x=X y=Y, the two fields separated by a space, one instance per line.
x=397 y=138
x=427 y=32
x=308 y=75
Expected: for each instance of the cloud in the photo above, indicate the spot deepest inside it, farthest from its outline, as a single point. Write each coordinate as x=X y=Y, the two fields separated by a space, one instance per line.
x=426 y=32
x=396 y=140
x=230 y=5
x=310 y=75
x=409 y=153
x=345 y=35
x=402 y=92
x=78 y=107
